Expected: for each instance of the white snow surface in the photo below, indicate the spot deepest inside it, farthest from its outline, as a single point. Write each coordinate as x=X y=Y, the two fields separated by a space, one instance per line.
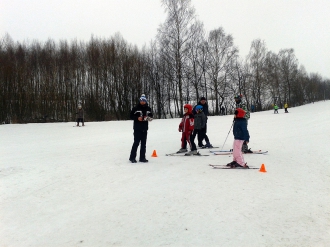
x=62 y=186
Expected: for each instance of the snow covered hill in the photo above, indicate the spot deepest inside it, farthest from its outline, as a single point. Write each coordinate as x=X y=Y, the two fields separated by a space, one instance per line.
x=62 y=186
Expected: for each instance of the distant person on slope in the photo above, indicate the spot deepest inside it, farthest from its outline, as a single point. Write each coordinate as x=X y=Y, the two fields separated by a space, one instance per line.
x=286 y=108
x=275 y=109
x=80 y=115
x=241 y=135
x=242 y=105
x=141 y=114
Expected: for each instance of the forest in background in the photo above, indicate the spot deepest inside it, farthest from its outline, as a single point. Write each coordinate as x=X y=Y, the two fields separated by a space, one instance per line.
x=44 y=82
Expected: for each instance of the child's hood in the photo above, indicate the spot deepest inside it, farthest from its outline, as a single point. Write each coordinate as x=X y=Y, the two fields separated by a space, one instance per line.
x=189 y=107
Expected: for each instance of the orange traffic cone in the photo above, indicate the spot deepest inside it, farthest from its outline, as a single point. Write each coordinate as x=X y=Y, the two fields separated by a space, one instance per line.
x=262 y=168
x=154 y=154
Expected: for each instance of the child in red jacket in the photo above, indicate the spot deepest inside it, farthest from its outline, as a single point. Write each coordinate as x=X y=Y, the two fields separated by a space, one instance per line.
x=187 y=127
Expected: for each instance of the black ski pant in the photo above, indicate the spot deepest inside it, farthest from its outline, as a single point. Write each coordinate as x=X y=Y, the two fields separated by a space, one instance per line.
x=80 y=120
x=139 y=137
x=203 y=136
x=200 y=136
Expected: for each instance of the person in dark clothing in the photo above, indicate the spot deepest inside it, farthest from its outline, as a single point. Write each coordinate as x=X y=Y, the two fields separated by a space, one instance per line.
x=199 y=123
x=222 y=110
x=80 y=115
x=205 y=106
x=141 y=114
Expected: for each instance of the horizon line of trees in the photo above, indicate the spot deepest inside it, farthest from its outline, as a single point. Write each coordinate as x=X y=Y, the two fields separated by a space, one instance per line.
x=40 y=81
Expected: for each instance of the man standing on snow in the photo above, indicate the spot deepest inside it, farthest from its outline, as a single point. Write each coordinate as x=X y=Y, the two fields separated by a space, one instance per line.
x=141 y=114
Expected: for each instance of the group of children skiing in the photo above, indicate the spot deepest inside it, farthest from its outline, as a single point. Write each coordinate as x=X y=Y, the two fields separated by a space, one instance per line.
x=193 y=123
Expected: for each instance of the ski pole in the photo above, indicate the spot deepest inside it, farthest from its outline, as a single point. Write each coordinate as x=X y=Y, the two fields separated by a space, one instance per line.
x=227 y=135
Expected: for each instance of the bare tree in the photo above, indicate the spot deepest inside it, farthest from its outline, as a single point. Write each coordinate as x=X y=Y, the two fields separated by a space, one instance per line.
x=222 y=55
x=174 y=36
x=289 y=69
x=256 y=59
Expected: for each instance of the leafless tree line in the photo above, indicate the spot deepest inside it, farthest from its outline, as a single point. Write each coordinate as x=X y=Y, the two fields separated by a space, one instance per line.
x=46 y=81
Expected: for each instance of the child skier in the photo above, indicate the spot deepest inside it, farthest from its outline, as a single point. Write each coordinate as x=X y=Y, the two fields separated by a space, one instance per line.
x=205 y=108
x=242 y=105
x=187 y=127
x=241 y=135
x=199 y=124
x=275 y=109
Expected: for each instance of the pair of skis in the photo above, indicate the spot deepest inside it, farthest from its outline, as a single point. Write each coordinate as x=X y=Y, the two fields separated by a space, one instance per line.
x=229 y=152
x=228 y=167
x=186 y=154
x=207 y=147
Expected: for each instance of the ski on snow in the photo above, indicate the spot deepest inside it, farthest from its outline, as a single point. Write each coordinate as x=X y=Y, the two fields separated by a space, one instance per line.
x=186 y=154
x=228 y=167
x=231 y=152
x=207 y=147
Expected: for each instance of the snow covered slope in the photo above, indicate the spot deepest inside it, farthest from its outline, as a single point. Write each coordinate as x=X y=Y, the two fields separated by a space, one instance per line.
x=63 y=186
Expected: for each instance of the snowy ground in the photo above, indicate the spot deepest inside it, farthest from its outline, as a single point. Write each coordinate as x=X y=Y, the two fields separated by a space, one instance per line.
x=62 y=186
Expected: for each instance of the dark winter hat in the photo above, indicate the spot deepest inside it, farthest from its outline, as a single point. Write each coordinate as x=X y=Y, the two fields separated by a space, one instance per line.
x=143 y=98
x=203 y=98
x=240 y=113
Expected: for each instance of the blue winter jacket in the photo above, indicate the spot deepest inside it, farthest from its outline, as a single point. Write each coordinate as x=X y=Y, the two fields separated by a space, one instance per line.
x=240 y=130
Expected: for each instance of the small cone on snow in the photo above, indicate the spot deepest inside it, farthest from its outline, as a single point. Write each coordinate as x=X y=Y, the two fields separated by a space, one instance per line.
x=262 y=168
x=154 y=154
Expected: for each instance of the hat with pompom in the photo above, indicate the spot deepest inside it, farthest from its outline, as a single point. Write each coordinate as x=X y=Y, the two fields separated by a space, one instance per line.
x=143 y=98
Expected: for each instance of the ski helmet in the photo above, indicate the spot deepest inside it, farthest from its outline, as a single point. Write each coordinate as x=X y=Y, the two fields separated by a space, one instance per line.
x=189 y=107
x=198 y=108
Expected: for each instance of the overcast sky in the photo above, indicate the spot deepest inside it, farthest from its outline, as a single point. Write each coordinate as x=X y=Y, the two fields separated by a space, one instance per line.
x=303 y=25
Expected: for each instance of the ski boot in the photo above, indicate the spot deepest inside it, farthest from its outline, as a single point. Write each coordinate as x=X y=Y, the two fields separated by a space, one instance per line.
x=208 y=145
x=132 y=160
x=192 y=152
x=182 y=150
x=231 y=163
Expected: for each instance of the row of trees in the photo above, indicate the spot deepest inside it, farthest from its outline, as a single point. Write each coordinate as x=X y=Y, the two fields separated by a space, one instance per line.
x=41 y=81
